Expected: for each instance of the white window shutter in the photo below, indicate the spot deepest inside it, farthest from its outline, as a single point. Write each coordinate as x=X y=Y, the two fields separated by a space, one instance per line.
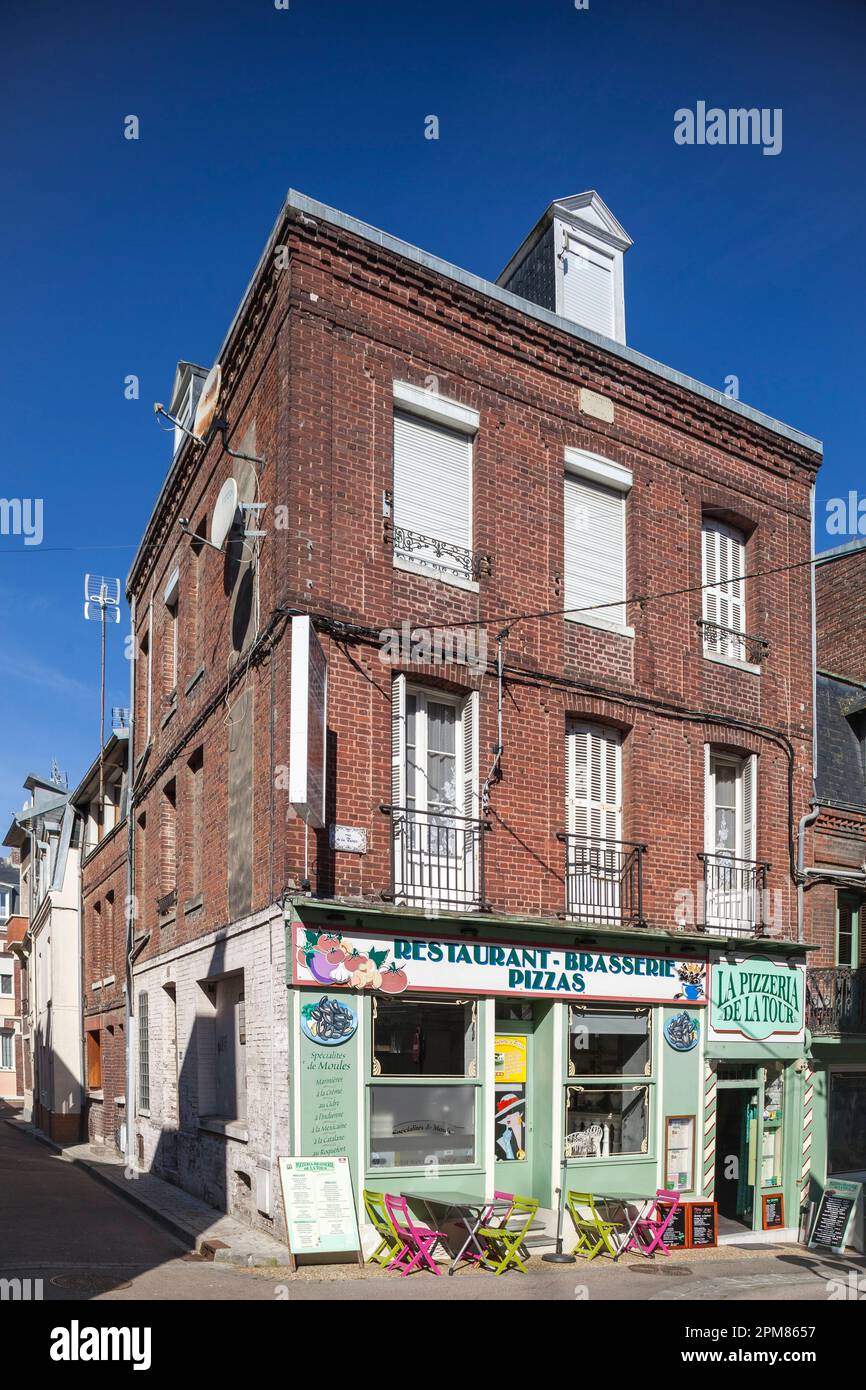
x=398 y=741
x=432 y=487
x=724 y=564
x=595 y=548
x=594 y=790
x=469 y=720
x=709 y=802
x=750 y=806
x=588 y=289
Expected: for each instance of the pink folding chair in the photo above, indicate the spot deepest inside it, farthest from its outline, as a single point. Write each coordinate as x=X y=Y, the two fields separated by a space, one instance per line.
x=649 y=1231
x=419 y=1242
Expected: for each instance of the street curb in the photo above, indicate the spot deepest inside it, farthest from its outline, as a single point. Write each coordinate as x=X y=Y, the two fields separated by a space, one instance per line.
x=192 y=1244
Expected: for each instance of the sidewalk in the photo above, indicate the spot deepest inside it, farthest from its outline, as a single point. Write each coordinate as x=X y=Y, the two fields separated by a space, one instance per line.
x=196 y=1225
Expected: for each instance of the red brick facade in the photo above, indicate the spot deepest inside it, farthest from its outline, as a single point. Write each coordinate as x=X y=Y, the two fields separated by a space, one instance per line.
x=839 y=589
x=103 y=898
x=308 y=378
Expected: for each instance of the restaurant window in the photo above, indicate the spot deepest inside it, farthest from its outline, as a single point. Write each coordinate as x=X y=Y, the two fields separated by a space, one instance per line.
x=847 y=1123
x=434 y=1119
x=615 y=1043
x=602 y=1121
x=424 y=1037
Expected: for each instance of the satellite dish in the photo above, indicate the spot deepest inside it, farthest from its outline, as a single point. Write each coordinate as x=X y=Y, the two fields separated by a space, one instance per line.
x=207 y=402
x=224 y=513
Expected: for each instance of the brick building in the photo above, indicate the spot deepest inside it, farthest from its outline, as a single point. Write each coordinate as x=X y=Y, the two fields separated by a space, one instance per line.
x=836 y=868
x=447 y=465
x=103 y=834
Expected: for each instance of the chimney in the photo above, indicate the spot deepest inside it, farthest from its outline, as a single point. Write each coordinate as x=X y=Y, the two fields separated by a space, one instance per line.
x=571 y=264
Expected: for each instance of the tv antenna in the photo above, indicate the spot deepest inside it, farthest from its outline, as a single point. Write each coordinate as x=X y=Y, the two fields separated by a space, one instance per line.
x=101 y=605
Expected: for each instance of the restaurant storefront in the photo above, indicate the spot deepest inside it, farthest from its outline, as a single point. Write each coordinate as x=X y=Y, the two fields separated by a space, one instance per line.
x=478 y=1055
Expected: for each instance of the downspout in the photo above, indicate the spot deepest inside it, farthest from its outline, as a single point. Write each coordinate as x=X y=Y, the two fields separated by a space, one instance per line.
x=129 y=1017
x=802 y=825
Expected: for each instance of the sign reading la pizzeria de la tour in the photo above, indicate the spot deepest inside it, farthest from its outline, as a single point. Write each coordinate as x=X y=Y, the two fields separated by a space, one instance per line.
x=758 y=999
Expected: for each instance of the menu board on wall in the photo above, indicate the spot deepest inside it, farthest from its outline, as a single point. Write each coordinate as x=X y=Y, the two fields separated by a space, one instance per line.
x=702 y=1225
x=679 y=1152
x=835 y=1214
x=772 y=1210
x=319 y=1205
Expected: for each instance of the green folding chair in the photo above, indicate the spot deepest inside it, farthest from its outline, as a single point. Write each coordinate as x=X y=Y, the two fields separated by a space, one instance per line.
x=504 y=1243
x=390 y=1245
x=593 y=1230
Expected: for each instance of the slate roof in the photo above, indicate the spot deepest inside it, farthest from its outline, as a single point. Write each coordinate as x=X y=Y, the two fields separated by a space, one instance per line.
x=841 y=718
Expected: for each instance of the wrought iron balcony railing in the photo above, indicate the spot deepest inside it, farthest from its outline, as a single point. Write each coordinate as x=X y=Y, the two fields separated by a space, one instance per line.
x=434 y=554
x=729 y=641
x=734 y=895
x=836 y=999
x=604 y=881
x=437 y=859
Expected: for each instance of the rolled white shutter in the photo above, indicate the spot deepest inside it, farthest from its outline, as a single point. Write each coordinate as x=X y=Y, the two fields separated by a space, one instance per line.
x=588 y=289
x=432 y=485
x=595 y=548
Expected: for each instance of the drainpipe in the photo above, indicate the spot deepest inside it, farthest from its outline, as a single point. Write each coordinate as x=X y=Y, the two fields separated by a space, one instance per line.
x=803 y=823
x=129 y=1017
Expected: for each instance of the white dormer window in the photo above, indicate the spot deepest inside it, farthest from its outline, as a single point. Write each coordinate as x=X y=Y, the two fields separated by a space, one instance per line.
x=572 y=263
x=188 y=381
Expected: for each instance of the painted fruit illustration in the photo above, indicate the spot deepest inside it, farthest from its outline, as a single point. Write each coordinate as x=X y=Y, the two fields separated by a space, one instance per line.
x=394 y=979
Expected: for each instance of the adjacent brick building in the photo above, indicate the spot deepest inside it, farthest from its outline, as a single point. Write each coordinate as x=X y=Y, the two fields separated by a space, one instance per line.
x=438 y=451
x=836 y=864
x=103 y=934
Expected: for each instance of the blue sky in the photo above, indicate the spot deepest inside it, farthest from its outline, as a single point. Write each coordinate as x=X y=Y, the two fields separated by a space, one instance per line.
x=118 y=257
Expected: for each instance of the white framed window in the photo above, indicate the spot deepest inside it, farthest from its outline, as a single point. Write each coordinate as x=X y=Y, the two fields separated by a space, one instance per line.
x=733 y=878
x=432 y=495
x=595 y=541
x=143 y=1052
x=435 y=804
x=6 y=1057
x=731 y=803
x=724 y=593
x=4 y=904
x=6 y=983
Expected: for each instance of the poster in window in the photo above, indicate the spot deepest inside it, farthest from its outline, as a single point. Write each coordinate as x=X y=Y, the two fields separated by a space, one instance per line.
x=510 y=1059
x=679 y=1152
x=510 y=1124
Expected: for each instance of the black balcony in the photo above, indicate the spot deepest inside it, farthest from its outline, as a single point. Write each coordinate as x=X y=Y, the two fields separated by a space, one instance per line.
x=836 y=999
x=729 y=641
x=603 y=881
x=734 y=895
x=443 y=557
x=437 y=859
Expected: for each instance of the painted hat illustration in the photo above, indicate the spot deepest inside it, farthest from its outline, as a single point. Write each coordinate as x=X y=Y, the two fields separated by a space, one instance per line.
x=507 y=1104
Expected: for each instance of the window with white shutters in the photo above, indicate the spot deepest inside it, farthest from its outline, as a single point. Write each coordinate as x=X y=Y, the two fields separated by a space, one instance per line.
x=594 y=790
x=432 y=502
x=733 y=876
x=595 y=533
x=724 y=608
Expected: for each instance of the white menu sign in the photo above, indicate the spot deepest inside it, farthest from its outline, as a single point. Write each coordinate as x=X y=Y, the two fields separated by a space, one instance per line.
x=319 y=1205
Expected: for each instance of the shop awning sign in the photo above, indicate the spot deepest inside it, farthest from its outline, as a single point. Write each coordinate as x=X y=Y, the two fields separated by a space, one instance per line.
x=432 y=965
x=757 y=999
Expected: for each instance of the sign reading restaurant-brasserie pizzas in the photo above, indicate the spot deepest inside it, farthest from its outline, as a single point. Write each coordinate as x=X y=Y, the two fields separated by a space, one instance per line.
x=393 y=964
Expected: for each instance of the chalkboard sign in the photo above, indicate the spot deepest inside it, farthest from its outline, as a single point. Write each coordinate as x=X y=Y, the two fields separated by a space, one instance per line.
x=319 y=1206
x=702 y=1225
x=773 y=1210
x=676 y=1235
x=835 y=1214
